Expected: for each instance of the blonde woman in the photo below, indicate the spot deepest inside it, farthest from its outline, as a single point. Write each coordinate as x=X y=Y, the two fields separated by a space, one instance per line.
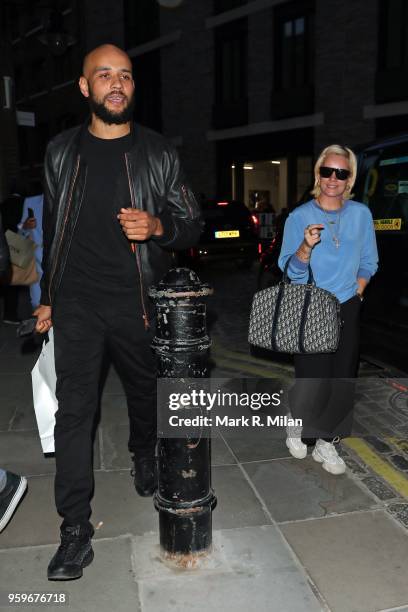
x=335 y=236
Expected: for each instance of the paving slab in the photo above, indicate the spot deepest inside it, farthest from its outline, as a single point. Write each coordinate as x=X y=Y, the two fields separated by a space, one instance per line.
x=107 y=584
x=220 y=453
x=7 y=411
x=294 y=489
x=21 y=452
x=246 y=449
x=19 y=365
x=116 y=504
x=112 y=384
x=15 y=387
x=357 y=561
x=24 y=416
x=114 y=443
x=35 y=521
x=121 y=510
x=114 y=409
x=237 y=504
x=249 y=568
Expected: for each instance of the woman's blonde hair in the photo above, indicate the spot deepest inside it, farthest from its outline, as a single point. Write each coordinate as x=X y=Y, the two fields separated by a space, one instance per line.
x=352 y=160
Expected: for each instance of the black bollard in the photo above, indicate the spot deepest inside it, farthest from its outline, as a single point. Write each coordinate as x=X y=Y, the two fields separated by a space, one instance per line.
x=184 y=498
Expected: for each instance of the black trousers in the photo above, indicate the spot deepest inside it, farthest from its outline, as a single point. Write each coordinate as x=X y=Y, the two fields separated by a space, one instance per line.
x=84 y=333
x=323 y=395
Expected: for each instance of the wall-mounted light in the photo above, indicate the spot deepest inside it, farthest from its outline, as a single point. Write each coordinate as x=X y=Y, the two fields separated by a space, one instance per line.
x=275 y=161
x=248 y=167
x=54 y=35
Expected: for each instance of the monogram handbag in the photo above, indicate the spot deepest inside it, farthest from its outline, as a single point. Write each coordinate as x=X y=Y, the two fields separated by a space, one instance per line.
x=291 y=318
x=21 y=249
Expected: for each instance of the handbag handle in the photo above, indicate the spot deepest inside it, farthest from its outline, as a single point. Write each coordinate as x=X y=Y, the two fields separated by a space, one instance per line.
x=287 y=280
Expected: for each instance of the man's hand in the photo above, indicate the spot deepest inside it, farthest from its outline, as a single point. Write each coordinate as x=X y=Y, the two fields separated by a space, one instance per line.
x=44 y=323
x=30 y=223
x=139 y=224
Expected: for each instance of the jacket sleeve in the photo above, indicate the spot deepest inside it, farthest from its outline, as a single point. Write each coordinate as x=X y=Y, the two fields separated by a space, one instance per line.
x=181 y=217
x=292 y=238
x=4 y=251
x=50 y=185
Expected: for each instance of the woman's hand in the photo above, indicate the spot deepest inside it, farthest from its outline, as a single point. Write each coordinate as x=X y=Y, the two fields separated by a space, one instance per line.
x=312 y=234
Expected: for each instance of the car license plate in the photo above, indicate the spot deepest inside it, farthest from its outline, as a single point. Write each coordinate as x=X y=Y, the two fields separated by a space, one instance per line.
x=227 y=234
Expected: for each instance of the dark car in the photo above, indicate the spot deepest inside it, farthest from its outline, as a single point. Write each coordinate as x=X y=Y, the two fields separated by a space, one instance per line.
x=229 y=233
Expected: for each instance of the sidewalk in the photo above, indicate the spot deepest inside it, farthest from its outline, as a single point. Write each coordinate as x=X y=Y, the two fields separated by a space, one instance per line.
x=288 y=537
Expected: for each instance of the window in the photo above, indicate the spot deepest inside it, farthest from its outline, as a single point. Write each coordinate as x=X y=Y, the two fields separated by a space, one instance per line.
x=142 y=21
x=391 y=82
x=393 y=44
x=294 y=53
x=293 y=89
x=231 y=63
x=231 y=58
x=220 y=6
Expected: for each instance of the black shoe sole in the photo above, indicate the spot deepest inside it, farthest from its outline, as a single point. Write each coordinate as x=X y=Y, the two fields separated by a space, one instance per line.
x=87 y=561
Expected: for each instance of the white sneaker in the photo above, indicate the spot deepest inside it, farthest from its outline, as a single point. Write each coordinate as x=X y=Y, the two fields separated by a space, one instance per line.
x=294 y=442
x=325 y=453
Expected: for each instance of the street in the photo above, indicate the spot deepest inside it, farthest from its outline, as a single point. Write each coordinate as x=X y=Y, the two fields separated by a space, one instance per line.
x=287 y=536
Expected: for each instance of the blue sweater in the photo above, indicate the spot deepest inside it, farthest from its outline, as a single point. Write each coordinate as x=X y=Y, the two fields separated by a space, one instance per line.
x=334 y=269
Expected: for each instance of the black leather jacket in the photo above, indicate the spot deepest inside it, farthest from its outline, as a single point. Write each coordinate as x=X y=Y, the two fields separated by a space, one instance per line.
x=156 y=185
x=4 y=251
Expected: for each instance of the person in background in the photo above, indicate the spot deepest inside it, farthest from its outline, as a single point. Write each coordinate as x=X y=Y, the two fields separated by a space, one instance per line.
x=12 y=486
x=30 y=226
x=335 y=236
x=11 y=210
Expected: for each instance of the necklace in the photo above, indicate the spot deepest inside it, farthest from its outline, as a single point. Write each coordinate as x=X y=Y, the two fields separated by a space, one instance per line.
x=335 y=234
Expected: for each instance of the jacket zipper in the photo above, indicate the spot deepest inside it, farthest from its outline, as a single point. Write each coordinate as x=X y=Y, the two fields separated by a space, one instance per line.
x=63 y=227
x=135 y=250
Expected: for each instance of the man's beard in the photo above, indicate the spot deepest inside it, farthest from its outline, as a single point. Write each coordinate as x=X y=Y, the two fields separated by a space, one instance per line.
x=109 y=117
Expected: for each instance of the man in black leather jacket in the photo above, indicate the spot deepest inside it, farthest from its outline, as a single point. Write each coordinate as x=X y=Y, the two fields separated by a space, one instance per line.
x=115 y=207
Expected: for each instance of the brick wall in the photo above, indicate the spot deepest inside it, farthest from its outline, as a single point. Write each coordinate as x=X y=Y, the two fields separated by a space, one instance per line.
x=188 y=89
x=346 y=58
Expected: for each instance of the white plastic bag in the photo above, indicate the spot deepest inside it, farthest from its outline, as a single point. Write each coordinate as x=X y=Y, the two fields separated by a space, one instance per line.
x=44 y=382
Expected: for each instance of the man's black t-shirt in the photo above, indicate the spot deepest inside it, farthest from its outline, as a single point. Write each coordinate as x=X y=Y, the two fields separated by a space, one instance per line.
x=100 y=258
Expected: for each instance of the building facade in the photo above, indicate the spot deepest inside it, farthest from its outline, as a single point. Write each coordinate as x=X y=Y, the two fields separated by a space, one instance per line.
x=249 y=91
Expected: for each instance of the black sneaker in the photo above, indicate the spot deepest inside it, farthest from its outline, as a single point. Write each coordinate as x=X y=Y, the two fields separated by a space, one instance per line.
x=74 y=553
x=145 y=474
x=10 y=497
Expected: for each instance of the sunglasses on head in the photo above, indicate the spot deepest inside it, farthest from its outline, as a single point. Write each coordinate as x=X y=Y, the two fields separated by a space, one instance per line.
x=341 y=173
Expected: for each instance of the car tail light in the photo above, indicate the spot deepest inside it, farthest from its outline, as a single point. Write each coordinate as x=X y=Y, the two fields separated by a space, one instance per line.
x=260 y=249
x=222 y=203
x=255 y=220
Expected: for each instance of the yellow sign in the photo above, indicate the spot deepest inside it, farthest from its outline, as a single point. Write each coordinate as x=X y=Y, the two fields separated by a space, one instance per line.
x=387 y=224
x=227 y=234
